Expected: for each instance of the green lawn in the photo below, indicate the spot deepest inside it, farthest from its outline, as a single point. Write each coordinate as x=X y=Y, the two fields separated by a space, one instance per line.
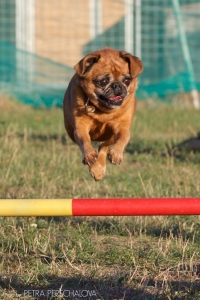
x=110 y=257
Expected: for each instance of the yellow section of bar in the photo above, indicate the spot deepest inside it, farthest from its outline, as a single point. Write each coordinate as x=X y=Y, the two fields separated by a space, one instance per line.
x=35 y=207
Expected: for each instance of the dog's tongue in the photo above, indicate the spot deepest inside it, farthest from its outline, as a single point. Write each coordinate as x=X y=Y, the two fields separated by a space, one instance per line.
x=115 y=98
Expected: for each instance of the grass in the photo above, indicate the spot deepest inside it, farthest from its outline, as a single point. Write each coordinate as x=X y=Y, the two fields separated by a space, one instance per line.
x=114 y=257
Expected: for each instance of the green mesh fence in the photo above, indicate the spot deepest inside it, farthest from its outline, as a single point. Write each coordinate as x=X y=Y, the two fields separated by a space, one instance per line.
x=32 y=79
x=41 y=41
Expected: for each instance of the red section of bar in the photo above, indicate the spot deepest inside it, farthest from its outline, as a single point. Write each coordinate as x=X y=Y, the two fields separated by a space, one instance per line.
x=135 y=207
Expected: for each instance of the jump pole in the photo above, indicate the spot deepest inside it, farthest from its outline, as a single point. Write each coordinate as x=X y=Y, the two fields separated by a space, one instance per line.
x=99 y=207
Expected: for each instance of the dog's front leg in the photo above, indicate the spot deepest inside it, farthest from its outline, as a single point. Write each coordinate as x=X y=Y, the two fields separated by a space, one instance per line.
x=98 y=169
x=82 y=138
x=115 y=155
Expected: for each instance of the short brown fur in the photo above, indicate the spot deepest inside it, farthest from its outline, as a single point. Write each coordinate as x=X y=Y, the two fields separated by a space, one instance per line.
x=114 y=105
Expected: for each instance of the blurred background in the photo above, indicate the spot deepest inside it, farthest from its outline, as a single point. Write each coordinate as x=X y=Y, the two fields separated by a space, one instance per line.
x=41 y=41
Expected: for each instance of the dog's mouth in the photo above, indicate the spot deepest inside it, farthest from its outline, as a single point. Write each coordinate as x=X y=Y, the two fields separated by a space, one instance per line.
x=111 y=102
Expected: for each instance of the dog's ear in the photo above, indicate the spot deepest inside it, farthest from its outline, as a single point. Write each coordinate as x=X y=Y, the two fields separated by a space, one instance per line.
x=135 y=64
x=86 y=63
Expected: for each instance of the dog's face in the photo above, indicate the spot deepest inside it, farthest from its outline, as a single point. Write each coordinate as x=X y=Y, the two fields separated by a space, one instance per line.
x=107 y=76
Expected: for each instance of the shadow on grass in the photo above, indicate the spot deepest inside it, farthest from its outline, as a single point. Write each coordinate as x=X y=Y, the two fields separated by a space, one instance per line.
x=88 y=289
x=191 y=144
x=40 y=137
x=181 y=151
x=147 y=146
x=136 y=145
x=188 y=150
x=49 y=137
x=184 y=151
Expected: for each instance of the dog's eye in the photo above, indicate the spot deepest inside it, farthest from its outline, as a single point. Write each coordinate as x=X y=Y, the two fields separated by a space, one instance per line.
x=103 y=82
x=127 y=81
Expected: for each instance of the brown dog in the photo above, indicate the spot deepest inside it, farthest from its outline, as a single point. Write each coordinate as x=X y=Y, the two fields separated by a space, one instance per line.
x=99 y=105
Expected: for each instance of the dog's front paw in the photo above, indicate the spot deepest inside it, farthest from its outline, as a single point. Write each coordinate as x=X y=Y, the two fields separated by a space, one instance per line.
x=90 y=158
x=115 y=157
x=97 y=171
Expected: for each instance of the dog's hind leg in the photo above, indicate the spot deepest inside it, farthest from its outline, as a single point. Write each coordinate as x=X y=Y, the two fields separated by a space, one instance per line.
x=98 y=169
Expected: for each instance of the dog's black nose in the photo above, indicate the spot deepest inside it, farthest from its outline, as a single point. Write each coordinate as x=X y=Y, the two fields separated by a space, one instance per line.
x=117 y=88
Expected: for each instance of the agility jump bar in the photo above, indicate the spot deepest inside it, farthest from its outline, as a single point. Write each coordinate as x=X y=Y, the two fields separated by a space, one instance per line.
x=99 y=207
